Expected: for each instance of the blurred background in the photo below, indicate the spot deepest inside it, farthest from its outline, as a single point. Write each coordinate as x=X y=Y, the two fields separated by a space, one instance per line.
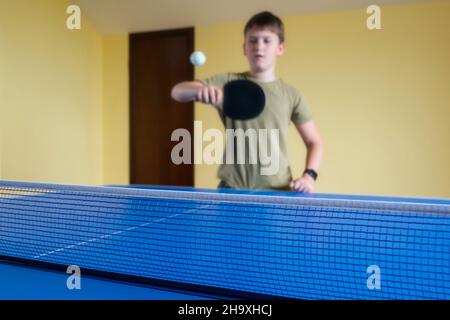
x=93 y=106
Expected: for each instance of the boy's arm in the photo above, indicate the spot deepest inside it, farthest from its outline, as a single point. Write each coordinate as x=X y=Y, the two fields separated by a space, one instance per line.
x=314 y=147
x=196 y=91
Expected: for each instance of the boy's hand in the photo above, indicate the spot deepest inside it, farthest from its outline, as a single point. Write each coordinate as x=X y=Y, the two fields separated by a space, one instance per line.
x=210 y=95
x=303 y=184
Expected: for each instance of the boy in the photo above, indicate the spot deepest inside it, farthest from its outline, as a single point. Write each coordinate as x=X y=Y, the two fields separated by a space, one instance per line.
x=264 y=43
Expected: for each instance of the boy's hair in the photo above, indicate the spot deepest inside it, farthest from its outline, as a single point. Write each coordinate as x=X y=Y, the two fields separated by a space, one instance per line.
x=266 y=19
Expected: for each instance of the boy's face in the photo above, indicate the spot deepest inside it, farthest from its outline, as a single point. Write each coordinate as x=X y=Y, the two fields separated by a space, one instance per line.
x=262 y=47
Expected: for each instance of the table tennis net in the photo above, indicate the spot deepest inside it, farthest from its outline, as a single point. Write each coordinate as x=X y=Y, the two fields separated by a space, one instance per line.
x=276 y=245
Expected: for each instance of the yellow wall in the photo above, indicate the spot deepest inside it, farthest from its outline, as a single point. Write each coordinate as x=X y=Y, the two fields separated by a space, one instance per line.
x=51 y=97
x=115 y=105
x=2 y=85
x=380 y=98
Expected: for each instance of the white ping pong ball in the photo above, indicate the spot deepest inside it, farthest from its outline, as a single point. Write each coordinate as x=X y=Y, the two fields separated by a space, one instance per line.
x=198 y=58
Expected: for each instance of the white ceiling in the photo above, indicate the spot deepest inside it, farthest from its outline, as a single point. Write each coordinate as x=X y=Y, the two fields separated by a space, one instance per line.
x=125 y=16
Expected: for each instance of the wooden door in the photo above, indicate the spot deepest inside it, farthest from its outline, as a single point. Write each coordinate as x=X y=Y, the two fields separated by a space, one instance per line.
x=158 y=60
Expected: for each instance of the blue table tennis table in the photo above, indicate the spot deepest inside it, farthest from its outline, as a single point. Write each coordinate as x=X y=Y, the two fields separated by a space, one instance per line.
x=149 y=242
x=25 y=282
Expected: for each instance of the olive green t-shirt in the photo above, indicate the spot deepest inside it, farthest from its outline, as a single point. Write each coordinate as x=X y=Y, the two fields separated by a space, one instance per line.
x=271 y=169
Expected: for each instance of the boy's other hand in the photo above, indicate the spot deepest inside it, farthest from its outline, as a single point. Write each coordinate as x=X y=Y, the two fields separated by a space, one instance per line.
x=303 y=184
x=210 y=95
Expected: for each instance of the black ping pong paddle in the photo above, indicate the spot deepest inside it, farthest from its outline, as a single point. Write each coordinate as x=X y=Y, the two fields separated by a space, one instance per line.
x=243 y=100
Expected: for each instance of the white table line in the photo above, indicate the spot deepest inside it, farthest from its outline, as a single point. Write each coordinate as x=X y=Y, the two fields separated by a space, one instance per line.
x=115 y=233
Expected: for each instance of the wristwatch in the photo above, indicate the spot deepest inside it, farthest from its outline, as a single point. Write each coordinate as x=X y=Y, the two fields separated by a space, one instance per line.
x=311 y=173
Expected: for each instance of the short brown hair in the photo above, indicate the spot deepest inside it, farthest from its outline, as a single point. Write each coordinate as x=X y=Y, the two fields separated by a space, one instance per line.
x=266 y=19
